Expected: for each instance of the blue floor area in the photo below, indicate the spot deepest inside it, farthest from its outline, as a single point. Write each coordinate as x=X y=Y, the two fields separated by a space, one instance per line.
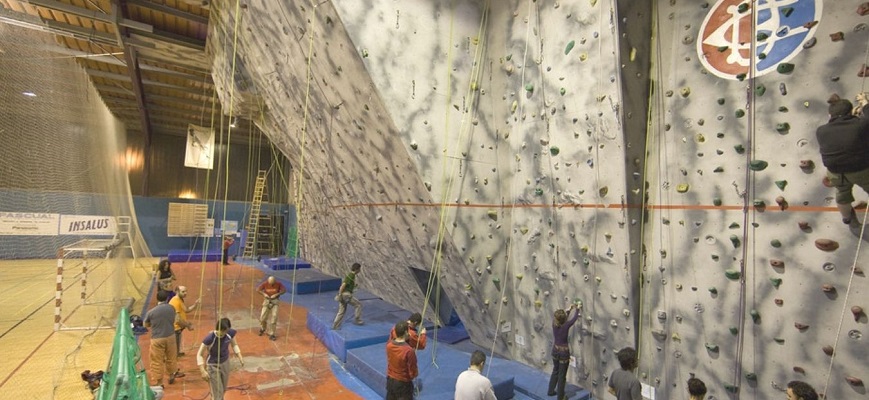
x=359 y=352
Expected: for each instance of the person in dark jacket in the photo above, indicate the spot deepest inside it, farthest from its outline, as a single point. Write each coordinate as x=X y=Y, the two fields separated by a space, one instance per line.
x=844 y=144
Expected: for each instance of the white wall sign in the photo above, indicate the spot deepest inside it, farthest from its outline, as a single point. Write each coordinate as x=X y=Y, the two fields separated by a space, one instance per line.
x=229 y=227
x=87 y=225
x=200 y=147
x=28 y=224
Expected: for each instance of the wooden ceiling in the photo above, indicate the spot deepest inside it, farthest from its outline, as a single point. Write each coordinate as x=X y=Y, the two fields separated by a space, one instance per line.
x=147 y=58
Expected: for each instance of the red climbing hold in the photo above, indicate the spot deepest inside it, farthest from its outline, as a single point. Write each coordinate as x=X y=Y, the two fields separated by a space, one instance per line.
x=826 y=244
x=863 y=9
x=864 y=70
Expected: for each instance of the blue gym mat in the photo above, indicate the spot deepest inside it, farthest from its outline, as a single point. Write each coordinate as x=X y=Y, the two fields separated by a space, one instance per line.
x=285 y=263
x=193 y=255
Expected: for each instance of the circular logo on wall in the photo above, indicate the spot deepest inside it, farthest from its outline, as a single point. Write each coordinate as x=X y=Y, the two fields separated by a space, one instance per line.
x=782 y=27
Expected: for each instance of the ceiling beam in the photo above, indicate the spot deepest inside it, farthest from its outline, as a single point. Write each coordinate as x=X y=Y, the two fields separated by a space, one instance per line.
x=157 y=97
x=121 y=77
x=169 y=10
x=174 y=38
x=95 y=15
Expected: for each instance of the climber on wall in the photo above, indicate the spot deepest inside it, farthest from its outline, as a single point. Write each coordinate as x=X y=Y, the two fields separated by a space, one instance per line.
x=844 y=144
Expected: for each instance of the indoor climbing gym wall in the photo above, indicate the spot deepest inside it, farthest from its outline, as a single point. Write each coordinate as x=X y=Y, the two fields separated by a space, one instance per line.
x=748 y=278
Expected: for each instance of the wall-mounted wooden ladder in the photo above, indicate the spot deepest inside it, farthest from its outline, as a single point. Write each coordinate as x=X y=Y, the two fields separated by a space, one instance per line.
x=254 y=217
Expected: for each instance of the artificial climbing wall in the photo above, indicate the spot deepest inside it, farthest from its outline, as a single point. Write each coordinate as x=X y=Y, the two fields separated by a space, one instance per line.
x=742 y=285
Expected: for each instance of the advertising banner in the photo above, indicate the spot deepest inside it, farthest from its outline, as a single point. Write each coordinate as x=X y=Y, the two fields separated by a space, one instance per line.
x=28 y=224
x=88 y=225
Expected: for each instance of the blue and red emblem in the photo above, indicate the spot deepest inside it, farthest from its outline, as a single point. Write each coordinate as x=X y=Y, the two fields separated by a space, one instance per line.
x=783 y=26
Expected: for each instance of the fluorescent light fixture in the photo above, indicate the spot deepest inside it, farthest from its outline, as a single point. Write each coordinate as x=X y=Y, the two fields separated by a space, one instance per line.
x=233 y=122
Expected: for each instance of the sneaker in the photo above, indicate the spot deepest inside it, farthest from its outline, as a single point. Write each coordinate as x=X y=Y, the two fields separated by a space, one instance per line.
x=273 y=338
x=261 y=331
x=359 y=322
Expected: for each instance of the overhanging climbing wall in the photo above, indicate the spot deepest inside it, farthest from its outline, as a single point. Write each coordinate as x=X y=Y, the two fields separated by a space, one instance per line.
x=737 y=289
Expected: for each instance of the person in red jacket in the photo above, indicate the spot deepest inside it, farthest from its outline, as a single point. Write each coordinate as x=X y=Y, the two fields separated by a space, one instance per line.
x=401 y=366
x=414 y=339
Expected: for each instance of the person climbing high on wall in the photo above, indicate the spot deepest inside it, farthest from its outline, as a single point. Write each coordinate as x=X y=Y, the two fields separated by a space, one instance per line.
x=844 y=144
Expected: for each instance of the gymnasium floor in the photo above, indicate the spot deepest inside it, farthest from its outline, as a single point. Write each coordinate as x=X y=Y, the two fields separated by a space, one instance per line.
x=39 y=363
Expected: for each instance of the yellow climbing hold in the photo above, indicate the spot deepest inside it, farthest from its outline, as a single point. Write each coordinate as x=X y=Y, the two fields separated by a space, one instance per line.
x=682 y=187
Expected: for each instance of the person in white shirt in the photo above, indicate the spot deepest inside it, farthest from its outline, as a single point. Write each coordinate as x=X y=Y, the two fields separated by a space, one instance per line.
x=471 y=384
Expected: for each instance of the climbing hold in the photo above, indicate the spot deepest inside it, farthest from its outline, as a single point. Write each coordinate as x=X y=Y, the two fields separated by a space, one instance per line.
x=538 y=192
x=682 y=187
x=782 y=203
x=810 y=25
x=603 y=191
x=781 y=184
x=734 y=240
x=864 y=71
x=776 y=282
x=718 y=169
x=713 y=290
x=759 y=203
x=538 y=303
x=523 y=229
x=529 y=87
x=783 y=127
x=676 y=337
x=778 y=302
x=712 y=347
x=732 y=274
x=807 y=164
x=779 y=340
x=468 y=287
x=722 y=49
x=785 y=68
x=741 y=76
x=826 y=244
x=776 y=263
x=837 y=37
x=739 y=148
x=734 y=330
x=562 y=91
x=799 y=370
x=734 y=388
x=828 y=350
x=685 y=91
x=800 y=327
x=857 y=311
x=775 y=243
x=762 y=36
x=804 y=225
x=520 y=276
x=863 y=9
x=514 y=106
x=755 y=316
x=413 y=145
x=854 y=380
x=740 y=113
x=810 y=43
x=787 y=11
x=758 y=165
x=721 y=100
x=751 y=376
x=828 y=288
x=554 y=150
x=782 y=109
x=759 y=90
x=493 y=214
x=496 y=281
x=716 y=201
x=569 y=47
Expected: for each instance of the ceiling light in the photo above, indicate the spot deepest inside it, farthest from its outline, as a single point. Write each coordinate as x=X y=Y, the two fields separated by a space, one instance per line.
x=232 y=122
x=29 y=94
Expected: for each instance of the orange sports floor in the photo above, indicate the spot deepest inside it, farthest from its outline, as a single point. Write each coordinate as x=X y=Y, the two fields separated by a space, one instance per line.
x=39 y=363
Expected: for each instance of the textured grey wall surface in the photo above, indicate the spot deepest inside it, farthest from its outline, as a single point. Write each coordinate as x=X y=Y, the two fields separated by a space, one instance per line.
x=490 y=145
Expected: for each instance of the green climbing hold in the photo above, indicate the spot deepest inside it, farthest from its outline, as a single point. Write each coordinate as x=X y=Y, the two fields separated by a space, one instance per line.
x=785 y=68
x=779 y=340
x=755 y=316
x=414 y=146
x=783 y=109
x=735 y=240
x=732 y=388
x=759 y=90
x=716 y=201
x=783 y=127
x=758 y=165
x=742 y=7
x=787 y=11
x=740 y=113
x=759 y=203
x=493 y=214
x=554 y=150
x=718 y=169
x=468 y=287
x=562 y=91
x=529 y=87
x=734 y=330
x=775 y=243
x=523 y=229
x=776 y=282
x=734 y=225
x=712 y=347
x=682 y=187
x=762 y=36
x=538 y=192
x=761 y=56
x=713 y=290
x=781 y=184
x=496 y=281
x=751 y=376
x=569 y=47
x=732 y=274
x=739 y=149
x=722 y=49
x=740 y=77
x=721 y=100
